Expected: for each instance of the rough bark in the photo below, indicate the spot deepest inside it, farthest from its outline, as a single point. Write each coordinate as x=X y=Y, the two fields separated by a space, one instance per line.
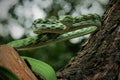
x=100 y=58
x=10 y=59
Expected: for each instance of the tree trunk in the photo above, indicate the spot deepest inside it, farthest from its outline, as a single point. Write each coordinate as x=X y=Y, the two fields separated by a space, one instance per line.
x=100 y=58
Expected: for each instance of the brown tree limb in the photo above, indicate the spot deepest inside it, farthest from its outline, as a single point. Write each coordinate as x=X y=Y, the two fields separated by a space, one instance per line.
x=100 y=58
x=11 y=60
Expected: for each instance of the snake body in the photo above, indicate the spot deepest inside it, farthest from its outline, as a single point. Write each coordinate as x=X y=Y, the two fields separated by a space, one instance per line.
x=52 y=31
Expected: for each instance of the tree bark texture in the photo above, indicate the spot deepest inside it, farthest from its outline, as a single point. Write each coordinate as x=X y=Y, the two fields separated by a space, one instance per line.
x=100 y=58
x=10 y=59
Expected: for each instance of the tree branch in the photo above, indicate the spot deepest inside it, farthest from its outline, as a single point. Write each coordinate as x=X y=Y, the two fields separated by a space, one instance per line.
x=11 y=60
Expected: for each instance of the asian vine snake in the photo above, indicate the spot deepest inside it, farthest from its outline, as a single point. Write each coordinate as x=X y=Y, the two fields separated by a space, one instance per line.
x=51 y=31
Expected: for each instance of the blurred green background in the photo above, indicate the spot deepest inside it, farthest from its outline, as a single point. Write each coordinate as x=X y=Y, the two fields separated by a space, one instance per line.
x=16 y=17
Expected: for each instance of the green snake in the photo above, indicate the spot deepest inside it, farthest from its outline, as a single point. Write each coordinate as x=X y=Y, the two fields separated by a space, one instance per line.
x=52 y=31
